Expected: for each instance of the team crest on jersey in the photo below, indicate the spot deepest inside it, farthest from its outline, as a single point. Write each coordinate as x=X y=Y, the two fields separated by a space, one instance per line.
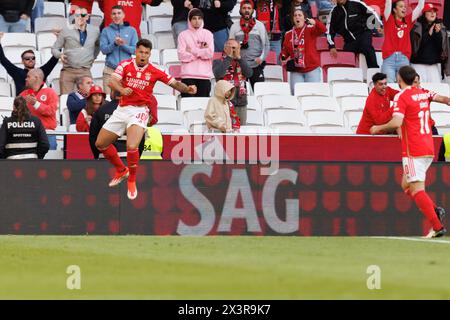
x=148 y=75
x=138 y=74
x=43 y=97
x=401 y=33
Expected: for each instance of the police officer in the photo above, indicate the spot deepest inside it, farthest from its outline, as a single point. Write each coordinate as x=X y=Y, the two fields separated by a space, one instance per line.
x=22 y=136
x=153 y=146
x=444 y=152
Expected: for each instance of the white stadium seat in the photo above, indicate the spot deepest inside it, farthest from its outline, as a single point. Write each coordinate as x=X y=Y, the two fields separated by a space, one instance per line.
x=194 y=120
x=394 y=85
x=363 y=63
x=443 y=120
x=331 y=130
x=352 y=120
x=5 y=91
x=164 y=9
x=273 y=73
x=352 y=104
x=345 y=75
x=45 y=40
x=54 y=9
x=22 y=40
x=169 y=57
x=303 y=89
x=164 y=40
x=48 y=24
x=144 y=27
x=355 y=89
x=275 y=88
x=6 y=103
x=309 y=104
x=245 y=129
x=324 y=118
x=441 y=89
x=437 y=107
x=253 y=103
x=160 y=24
x=195 y=103
x=254 y=118
x=285 y=117
x=166 y=102
x=161 y=88
x=279 y=102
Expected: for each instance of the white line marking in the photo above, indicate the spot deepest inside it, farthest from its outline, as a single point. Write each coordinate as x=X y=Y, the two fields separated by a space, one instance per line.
x=415 y=239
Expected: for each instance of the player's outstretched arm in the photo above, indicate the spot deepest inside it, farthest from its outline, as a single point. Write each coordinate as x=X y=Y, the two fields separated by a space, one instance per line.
x=115 y=84
x=392 y=125
x=180 y=86
x=442 y=99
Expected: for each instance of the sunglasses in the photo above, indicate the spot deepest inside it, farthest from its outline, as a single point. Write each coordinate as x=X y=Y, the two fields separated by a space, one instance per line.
x=83 y=15
x=29 y=58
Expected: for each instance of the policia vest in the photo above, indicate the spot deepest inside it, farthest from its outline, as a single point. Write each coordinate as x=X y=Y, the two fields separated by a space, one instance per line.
x=23 y=140
x=153 y=146
x=446 y=142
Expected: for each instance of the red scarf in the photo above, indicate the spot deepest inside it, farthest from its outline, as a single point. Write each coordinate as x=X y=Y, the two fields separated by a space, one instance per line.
x=235 y=76
x=268 y=14
x=247 y=27
x=235 y=121
x=298 y=45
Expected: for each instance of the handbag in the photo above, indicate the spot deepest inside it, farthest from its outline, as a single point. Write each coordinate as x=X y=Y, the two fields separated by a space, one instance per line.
x=290 y=65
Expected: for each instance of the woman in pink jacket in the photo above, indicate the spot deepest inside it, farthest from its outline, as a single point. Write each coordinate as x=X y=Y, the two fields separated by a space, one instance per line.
x=195 y=51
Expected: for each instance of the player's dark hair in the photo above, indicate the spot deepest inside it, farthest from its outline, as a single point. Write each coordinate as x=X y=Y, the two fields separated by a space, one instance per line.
x=145 y=43
x=20 y=109
x=378 y=77
x=408 y=74
x=25 y=52
x=118 y=7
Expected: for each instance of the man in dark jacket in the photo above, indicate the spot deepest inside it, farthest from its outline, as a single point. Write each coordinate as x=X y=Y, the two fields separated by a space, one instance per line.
x=354 y=21
x=235 y=70
x=29 y=61
x=15 y=14
x=98 y=120
x=22 y=136
x=180 y=16
x=217 y=19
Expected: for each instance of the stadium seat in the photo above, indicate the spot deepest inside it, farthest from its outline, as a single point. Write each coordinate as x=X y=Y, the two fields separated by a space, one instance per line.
x=351 y=104
x=169 y=57
x=345 y=75
x=22 y=40
x=254 y=130
x=14 y=55
x=313 y=104
x=352 y=89
x=166 y=102
x=277 y=116
x=275 y=88
x=363 y=64
x=3 y=74
x=344 y=59
x=164 y=9
x=48 y=24
x=45 y=40
x=322 y=43
x=377 y=43
x=194 y=120
x=369 y=75
x=394 y=86
x=155 y=57
x=194 y=103
x=144 y=28
x=253 y=103
x=235 y=12
x=254 y=118
x=160 y=24
x=352 y=120
x=443 y=120
x=437 y=107
x=279 y=102
x=273 y=73
x=4 y=114
x=325 y=119
x=5 y=91
x=161 y=88
x=170 y=121
x=331 y=130
x=52 y=9
x=304 y=89
x=6 y=103
x=440 y=88
x=164 y=40
x=175 y=71
x=97 y=70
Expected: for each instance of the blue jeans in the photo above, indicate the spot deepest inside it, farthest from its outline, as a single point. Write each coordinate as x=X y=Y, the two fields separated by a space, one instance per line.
x=312 y=76
x=392 y=64
x=177 y=28
x=37 y=12
x=52 y=141
x=19 y=26
x=276 y=46
x=324 y=4
x=220 y=37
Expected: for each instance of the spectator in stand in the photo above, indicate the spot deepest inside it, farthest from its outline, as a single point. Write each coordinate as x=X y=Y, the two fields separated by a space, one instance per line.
x=196 y=51
x=350 y=19
x=87 y=4
x=132 y=10
x=378 y=109
x=428 y=40
x=180 y=16
x=94 y=100
x=235 y=70
x=37 y=12
x=76 y=101
x=299 y=49
x=29 y=61
x=117 y=42
x=397 y=40
x=218 y=112
x=80 y=43
x=22 y=136
x=288 y=8
x=15 y=14
x=42 y=101
x=252 y=36
x=217 y=19
x=268 y=12
x=98 y=120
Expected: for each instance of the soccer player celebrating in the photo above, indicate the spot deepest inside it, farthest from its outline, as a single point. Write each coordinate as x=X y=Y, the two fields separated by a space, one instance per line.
x=412 y=114
x=134 y=79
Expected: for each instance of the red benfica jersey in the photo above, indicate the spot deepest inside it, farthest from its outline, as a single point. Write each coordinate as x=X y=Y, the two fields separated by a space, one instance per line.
x=413 y=105
x=141 y=80
x=131 y=8
x=397 y=36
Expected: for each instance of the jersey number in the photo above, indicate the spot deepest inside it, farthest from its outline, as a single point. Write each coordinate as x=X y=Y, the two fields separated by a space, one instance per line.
x=424 y=127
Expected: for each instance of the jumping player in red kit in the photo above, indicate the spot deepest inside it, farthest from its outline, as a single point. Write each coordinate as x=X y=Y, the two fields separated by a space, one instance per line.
x=134 y=79
x=412 y=114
